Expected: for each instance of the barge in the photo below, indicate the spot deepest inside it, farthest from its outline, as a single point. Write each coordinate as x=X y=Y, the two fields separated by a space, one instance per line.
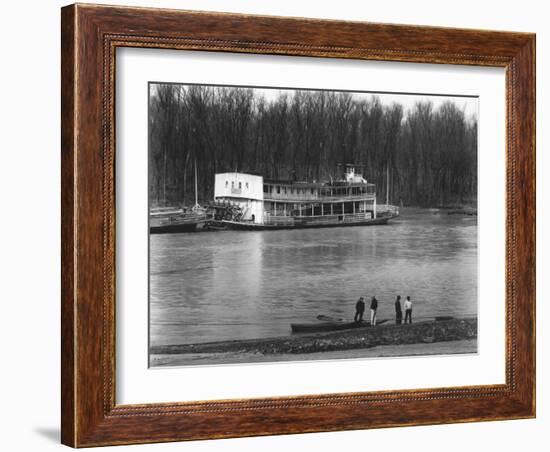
x=173 y=220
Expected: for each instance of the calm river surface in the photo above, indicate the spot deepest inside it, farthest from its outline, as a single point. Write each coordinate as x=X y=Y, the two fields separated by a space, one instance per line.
x=239 y=284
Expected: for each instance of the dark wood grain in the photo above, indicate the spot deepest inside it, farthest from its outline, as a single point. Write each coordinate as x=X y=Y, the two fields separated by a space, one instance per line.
x=90 y=36
x=68 y=311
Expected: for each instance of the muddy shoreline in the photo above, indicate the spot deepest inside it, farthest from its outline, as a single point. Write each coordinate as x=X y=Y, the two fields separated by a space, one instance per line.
x=426 y=332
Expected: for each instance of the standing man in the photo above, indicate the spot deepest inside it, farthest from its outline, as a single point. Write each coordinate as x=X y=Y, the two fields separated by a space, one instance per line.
x=408 y=310
x=398 y=312
x=359 y=310
x=373 y=308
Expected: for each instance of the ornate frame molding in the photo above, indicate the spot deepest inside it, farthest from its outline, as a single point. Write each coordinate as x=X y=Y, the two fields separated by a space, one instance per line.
x=90 y=37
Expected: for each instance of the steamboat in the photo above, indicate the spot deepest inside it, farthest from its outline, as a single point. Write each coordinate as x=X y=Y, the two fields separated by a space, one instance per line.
x=255 y=203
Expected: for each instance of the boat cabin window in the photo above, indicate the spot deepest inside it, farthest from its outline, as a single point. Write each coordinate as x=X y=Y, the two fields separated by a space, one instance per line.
x=278 y=189
x=226 y=183
x=240 y=185
x=246 y=185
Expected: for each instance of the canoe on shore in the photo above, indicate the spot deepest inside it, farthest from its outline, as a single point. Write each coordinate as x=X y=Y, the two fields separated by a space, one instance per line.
x=329 y=326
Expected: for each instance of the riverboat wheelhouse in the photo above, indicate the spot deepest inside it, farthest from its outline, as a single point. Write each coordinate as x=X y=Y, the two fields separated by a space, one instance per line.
x=269 y=204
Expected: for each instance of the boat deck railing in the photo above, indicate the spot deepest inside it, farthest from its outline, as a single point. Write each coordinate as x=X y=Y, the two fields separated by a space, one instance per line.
x=281 y=197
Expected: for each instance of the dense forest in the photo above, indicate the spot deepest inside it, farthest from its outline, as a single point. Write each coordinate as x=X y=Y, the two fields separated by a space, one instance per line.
x=429 y=153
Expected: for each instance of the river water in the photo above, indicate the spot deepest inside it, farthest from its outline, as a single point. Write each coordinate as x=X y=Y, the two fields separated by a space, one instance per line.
x=227 y=285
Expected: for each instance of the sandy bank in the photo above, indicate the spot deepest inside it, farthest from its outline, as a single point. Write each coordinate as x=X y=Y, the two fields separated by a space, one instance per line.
x=466 y=346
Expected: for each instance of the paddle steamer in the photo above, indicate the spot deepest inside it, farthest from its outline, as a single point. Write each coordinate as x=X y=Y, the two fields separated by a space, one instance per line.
x=283 y=204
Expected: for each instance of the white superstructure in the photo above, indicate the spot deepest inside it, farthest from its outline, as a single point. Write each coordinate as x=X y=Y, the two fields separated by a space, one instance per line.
x=244 y=190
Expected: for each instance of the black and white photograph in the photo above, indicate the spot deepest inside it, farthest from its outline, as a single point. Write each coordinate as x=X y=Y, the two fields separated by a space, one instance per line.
x=297 y=224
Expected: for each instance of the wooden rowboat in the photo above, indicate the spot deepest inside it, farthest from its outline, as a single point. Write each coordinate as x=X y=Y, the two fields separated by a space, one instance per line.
x=317 y=327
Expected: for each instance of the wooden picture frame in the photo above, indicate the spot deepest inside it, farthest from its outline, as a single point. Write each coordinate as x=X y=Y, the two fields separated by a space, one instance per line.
x=90 y=36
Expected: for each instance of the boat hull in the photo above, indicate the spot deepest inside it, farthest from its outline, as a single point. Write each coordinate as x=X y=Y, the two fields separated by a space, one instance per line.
x=247 y=226
x=176 y=227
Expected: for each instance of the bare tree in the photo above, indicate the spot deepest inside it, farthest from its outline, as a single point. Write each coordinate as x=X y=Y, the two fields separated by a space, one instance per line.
x=425 y=156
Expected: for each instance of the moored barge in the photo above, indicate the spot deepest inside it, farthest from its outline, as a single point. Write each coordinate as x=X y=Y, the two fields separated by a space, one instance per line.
x=173 y=220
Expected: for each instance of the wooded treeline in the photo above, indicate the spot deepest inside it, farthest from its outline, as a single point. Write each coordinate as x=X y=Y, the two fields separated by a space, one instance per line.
x=431 y=153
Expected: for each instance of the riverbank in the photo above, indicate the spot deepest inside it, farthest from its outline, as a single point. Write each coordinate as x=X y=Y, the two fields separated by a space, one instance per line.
x=454 y=210
x=469 y=209
x=422 y=338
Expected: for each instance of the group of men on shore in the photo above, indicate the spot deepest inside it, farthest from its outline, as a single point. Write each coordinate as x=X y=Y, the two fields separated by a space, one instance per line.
x=360 y=310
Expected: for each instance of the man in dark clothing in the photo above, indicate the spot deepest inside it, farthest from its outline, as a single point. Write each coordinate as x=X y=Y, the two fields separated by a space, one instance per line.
x=373 y=308
x=359 y=310
x=398 y=311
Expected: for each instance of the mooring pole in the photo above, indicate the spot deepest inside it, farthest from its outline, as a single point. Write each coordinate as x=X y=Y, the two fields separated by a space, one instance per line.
x=196 y=191
x=388 y=185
